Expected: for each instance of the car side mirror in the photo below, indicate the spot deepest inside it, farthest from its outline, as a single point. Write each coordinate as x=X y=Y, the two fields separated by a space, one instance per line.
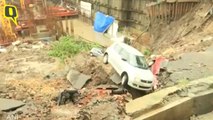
x=123 y=59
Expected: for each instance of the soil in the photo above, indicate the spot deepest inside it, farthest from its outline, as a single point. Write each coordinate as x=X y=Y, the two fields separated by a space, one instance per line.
x=93 y=66
x=28 y=74
x=31 y=76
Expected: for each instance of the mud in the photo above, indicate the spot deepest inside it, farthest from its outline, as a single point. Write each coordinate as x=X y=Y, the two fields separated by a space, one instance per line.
x=31 y=76
x=93 y=66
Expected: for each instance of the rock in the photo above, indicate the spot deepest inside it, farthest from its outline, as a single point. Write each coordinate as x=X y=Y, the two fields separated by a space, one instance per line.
x=77 y=79
x=9 y=104
x=96 y=52
x=116 y=78
x=3 y=95
x=3 y=50
x=10 y=95
x=19 y=112
x=12 y=88
x=146 y=102
x=16 y=43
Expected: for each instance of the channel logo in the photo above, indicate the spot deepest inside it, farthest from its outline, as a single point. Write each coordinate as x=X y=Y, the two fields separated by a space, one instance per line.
x=10 y=12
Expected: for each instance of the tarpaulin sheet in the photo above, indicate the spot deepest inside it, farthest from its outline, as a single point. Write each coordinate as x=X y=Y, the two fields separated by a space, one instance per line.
x=102 y=22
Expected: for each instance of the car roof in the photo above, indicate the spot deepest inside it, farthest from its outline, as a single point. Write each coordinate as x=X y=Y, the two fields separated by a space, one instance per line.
x=129 y=49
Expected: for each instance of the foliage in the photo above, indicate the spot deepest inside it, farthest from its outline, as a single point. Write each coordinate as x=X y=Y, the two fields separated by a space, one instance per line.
x=68 y=46
x=147 y=52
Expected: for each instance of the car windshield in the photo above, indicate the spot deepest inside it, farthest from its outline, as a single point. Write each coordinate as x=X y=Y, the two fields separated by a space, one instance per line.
x=138 y=61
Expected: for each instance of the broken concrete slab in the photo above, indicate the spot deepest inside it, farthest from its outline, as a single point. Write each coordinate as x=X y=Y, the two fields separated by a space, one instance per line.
x=77 y=79
x=16 y=43
x=141 y=104
x=182 y=108
x=187 y=68
x=3 y=50
x=154 y=101
x=9 y=104
x=116 y=78
x=96 y=52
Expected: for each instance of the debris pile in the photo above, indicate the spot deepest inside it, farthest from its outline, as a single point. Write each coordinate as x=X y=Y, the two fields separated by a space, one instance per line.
x=192 y=32
x=100 y=73
x=48 y=88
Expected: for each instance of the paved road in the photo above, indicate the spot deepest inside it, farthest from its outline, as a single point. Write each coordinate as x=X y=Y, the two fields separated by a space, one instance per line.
x=192 y=65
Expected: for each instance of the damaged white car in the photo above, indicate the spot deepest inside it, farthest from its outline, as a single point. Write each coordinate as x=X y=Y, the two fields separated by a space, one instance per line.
x=131 y=65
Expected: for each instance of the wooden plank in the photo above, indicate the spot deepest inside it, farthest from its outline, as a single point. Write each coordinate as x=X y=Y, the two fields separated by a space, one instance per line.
x=166 y=9
x=160 y=11
x=72 y=27
x=175 y=10
x=181 y=10
x=186 y=7
x=183 y=1
x=67 y=25
x=170 y=11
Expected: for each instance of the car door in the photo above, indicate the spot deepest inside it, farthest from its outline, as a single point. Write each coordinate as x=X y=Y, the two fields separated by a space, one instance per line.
x=115 y=57
x=123 y=60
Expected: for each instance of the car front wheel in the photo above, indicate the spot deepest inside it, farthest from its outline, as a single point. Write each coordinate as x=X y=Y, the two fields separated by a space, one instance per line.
x=124 y=79
x=106 y=58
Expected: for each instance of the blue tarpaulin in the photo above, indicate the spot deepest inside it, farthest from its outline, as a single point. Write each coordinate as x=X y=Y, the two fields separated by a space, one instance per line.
x=102 y=22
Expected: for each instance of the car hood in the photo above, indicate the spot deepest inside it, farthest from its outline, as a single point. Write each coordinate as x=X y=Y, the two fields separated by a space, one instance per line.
x=144 y=74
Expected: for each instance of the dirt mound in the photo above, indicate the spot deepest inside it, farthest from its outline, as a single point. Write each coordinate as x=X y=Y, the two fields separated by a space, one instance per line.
x=93 y=66
x=102 y=110
x=192 y=32
x=37 y=95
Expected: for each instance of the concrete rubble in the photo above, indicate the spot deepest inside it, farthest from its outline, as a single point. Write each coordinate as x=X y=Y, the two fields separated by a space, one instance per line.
x=142 y=107
x=9 y=104
x=77 y=79
x=187 y=68
x=36 y=79
x=36 y=86
x=116 y=78
x=147 y=102
x=96 y=52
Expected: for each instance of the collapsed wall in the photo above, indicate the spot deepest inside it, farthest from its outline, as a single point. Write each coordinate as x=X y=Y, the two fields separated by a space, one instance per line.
x=179 y=102
x=186 y=34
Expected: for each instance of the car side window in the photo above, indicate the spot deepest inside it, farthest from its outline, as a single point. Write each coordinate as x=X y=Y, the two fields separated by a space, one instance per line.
x=117 y=48
x=124 y=54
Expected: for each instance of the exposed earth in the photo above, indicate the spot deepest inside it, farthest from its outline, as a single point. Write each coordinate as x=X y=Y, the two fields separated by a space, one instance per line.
x=28 y=74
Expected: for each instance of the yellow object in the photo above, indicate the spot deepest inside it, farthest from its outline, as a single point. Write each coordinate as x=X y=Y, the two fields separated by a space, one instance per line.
x=11 y=13
x=5 y=23
x=22 y=4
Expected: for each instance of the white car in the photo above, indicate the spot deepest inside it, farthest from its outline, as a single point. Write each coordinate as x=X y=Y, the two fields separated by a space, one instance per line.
x=131 y=65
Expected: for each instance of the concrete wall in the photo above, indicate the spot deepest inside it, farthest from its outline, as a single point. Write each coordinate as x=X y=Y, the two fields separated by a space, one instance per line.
x=136 y=14
x=127 y=12
x=182 y=109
